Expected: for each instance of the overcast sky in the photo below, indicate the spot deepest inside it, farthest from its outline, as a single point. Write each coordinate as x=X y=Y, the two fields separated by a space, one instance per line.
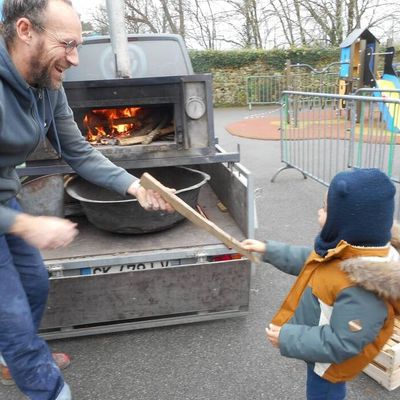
x=85 y=7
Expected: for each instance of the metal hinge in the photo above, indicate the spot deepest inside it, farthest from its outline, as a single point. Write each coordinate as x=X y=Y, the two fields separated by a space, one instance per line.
x=179 y=135
x=56 y=270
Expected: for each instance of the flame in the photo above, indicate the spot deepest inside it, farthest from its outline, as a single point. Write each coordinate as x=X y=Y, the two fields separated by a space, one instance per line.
x=110 y=123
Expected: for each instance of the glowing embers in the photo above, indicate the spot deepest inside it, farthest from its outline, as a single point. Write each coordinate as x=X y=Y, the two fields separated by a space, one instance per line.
x=128 y=126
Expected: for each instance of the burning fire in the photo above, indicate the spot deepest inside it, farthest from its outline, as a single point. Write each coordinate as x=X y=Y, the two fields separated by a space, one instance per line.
x=105 y=125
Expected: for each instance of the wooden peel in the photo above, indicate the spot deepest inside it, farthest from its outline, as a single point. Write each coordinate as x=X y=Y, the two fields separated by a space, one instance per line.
x=149 y=182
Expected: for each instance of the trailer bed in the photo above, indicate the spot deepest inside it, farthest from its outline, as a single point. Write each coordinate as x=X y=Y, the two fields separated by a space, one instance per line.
x=92 y=241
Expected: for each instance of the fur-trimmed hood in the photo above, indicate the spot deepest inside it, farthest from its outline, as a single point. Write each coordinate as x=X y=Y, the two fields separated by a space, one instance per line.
x=381 y=277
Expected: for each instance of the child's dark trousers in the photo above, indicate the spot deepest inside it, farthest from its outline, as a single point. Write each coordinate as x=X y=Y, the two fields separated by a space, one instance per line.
x=321 y=389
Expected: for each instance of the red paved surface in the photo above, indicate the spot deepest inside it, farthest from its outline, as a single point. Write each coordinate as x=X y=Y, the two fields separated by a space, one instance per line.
x=264 y=128
x=326 y=125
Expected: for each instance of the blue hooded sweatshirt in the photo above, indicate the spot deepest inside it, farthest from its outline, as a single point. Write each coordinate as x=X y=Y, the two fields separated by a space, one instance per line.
x=28 y=116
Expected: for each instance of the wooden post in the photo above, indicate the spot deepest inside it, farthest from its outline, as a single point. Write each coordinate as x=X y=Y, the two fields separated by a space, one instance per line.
x=149 y=182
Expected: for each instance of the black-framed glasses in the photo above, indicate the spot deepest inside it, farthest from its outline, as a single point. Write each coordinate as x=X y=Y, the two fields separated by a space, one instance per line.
x=69 y=45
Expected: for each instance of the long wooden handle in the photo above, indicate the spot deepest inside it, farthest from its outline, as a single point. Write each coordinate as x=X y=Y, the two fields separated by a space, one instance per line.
x=149 y=182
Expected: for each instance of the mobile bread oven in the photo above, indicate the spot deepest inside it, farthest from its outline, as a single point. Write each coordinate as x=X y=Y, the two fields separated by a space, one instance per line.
x=159 y=120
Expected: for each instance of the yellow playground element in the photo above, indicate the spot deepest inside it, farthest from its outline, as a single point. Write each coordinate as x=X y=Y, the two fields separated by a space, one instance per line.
x=391 y=110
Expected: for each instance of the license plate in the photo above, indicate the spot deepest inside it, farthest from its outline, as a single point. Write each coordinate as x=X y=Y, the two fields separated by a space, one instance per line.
x=115 y=269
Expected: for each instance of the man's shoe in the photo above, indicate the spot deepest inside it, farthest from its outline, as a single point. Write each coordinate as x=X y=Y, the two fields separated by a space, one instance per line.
x=61 y=359
x=6 y=378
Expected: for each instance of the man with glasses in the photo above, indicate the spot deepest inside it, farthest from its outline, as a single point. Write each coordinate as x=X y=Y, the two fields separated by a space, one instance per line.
x=39 y=41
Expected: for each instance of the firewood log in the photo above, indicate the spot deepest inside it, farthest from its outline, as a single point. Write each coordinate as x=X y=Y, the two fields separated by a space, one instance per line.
x=156 y=133
x=144 y=139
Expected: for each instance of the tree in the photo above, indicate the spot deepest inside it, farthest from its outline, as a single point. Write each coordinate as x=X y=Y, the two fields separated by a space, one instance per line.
x=216 y=24
x=148 y=16
x=87 y=26
x=141 y=17
x=100 y=20
x=246 y=21
x=308 y=21
x=203 y=24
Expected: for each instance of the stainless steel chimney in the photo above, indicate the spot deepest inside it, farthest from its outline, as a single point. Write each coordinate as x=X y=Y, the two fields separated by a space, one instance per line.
x=119 y=39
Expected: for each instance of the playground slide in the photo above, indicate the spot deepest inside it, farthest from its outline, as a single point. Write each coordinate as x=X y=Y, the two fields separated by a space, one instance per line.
x=390 y=112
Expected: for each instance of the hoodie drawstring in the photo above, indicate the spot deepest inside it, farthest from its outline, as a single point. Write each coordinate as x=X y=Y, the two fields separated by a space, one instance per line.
x=54 y=124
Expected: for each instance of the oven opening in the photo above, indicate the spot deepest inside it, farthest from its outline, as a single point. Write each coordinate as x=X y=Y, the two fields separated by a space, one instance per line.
x=127 y=125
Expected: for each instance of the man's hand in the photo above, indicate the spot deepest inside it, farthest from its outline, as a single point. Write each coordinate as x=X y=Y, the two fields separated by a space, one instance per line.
x=44 y=232
x=149 y=199
x=273 y=334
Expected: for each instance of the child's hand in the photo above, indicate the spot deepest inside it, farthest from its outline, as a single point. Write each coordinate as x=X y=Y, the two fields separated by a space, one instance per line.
x=254 y=245
x=273 y=334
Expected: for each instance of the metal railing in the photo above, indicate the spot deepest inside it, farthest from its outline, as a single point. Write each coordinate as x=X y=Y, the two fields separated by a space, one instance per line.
x=267 y=89
x=264 y=89
x=322 y=134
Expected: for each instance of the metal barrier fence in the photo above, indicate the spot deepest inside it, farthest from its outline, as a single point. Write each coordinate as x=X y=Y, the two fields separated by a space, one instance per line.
x=268 y=89
x=322 y=134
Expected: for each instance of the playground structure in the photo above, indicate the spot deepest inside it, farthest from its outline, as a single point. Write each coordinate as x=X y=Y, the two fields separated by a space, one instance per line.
x=358 y=67
x=359 y=71
x=389 y=86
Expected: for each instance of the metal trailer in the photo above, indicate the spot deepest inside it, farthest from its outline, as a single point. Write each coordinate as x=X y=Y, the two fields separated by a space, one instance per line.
x=108 y=282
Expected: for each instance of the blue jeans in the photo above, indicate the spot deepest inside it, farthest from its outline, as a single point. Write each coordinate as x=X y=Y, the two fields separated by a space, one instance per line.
x=24 y=287
x=321 y=389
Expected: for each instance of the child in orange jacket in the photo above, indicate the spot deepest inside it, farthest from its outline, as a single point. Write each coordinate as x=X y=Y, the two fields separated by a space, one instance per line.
x=340 y=311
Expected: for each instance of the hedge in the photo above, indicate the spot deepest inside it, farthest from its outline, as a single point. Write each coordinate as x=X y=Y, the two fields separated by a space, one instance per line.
x=231 y=68
x=208 y=60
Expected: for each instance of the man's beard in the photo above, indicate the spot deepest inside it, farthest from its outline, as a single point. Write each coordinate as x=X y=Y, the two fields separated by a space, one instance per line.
x=41 y=71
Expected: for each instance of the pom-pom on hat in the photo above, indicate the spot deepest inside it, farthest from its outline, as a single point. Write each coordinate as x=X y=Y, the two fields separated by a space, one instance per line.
x=360 y=208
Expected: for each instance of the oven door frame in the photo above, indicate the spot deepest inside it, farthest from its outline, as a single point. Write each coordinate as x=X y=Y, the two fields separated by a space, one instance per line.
x=143 y=156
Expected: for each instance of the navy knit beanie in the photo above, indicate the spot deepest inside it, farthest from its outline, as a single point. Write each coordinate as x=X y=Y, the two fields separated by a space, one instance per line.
x=360 y=208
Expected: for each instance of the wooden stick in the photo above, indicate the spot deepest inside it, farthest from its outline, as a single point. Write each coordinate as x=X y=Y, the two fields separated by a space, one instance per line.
x=149 y=182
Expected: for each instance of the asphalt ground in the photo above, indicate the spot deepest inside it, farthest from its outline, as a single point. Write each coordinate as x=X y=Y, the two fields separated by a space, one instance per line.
x=224 y=359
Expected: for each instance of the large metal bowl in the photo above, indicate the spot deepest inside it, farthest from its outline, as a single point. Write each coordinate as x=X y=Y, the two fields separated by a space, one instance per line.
x=43 y=195
x=123 y=214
